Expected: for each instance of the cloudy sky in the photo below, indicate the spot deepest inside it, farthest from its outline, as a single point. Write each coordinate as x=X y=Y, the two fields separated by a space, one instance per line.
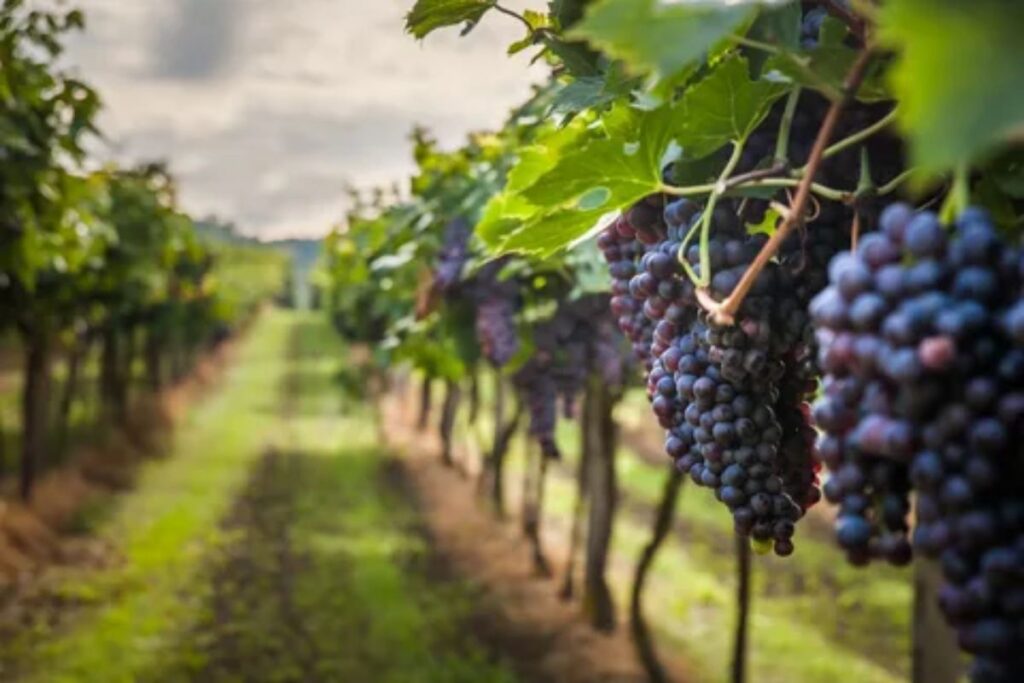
x=267 y=108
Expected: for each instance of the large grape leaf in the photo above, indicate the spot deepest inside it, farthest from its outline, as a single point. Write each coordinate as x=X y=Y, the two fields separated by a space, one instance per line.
x=428 y=15
x=556 y=196
x=958 y=77
x=622 y=169
x=592 y=92
x=726 y=105
x=549 y=233
x=663 y=37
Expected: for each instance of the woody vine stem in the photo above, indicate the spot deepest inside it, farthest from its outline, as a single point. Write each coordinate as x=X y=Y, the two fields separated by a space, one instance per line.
x=724 y=312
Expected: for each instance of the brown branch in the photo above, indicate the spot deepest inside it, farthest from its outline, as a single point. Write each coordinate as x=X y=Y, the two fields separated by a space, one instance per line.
x=725 y=313
x=756 y=174
x=515 y=15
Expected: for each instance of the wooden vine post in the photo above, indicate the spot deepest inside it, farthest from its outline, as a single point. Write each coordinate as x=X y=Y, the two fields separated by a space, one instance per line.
x=579 y=507
x=426 y=397
x=35 y=404
x=534 y=475
x=640 y=631
x=936 y=655
x=452 y=396
x=600 y=443
x=493 y=479
x=739 y=647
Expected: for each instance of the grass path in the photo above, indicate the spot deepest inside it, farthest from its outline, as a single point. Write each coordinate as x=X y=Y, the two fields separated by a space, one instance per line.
x=268 y=547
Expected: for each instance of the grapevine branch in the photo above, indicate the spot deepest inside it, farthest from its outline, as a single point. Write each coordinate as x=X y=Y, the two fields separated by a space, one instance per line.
x=779 y=175
x=857 y=138
x=724 y=313
x=786 y=127
x=705 y=223
x=515 y=15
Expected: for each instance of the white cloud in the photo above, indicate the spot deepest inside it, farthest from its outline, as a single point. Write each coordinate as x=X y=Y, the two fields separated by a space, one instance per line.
x=265 y=109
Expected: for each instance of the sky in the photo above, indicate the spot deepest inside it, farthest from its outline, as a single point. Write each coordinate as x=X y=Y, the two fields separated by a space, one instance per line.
x=266 y=109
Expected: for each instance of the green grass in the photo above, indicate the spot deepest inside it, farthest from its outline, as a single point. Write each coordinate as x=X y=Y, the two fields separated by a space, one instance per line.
x=359 y=589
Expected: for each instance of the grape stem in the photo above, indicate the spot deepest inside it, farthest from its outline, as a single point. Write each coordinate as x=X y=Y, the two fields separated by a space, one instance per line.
x=785 y=127
x=718 y=190
x=765 y=177
x=856 y=138
x=776 y=175
x=817 y=188
x=745 y=179
x=894 y=184
x=724 y=313
x=515 y=15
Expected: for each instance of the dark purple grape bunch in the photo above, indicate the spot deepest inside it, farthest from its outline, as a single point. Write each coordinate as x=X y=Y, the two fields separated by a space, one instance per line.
x=579 y=340
x=924 y=390
x=452 y=256
x=496 y=302
x=625 y=244
x=496 y=329
x=539 y=391
x=745 y=437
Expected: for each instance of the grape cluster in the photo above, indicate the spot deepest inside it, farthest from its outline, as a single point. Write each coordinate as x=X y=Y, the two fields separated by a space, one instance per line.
x=579 y=339
x=924 y=390
x=731 y=399
x=453 y=254
x=496 y=330
x=746 y=403
x=636 y=302
x=496 y=302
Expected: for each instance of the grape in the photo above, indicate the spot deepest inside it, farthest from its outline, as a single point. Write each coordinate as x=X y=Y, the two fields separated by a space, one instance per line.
x=934 y=404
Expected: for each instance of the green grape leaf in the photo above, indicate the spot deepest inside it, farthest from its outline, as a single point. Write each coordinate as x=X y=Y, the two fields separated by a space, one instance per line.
x=592 y=92
x=958 y=75
x=628 y=167
x=662 y=37
x=429 y=15
x=536 y=21
x=582 y=93
x=567 y=12
x=547 y=234
x=505 y=213
x=556 y=195
x=726 y=105
x=824 y=67
x=779 y=26
x=577 y=58
x=768 y=224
